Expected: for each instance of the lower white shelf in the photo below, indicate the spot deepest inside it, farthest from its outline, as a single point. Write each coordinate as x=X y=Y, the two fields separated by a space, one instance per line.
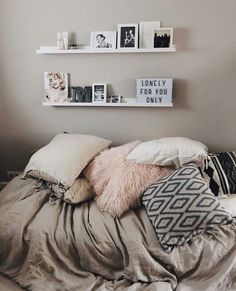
x=72 y=104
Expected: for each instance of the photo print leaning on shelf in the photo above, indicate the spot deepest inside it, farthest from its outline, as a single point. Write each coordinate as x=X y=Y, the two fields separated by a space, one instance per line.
x=115 y=99
x=146 y=33
x=128 y=36
x=56 y=86
x=103 y=40
x=163 y=37
x=99 y=93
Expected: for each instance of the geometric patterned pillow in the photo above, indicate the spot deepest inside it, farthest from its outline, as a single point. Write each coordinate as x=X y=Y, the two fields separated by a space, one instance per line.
x=181 y=206
x=220 y=173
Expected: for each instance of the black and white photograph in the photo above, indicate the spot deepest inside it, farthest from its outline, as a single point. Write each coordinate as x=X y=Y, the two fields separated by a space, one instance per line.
x=146 y=32
x=163 y=37
x=103 y=40
x=99 y=93
x=128 y=36
x=115 y=99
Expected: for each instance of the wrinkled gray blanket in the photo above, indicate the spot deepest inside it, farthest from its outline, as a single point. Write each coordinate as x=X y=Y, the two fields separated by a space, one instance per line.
x=55 y=246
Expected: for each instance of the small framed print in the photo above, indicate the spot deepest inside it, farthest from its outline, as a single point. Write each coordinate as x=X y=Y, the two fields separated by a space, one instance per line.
x=127 y=36
x=163 y=37
x=103 y=40
x=115 y=99
x=56 y=86
x=146 y=32
x=99 y=93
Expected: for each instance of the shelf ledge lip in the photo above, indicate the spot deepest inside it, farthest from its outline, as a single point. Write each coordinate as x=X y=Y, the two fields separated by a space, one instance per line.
x=77 y=104
x=54 y=50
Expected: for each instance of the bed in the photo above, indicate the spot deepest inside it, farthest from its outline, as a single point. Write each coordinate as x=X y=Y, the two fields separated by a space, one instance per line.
x=48 y=244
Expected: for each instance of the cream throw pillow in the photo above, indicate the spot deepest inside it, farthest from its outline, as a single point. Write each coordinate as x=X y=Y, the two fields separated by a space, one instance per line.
x=80 y=191
x=170 y=151
x=65 y=157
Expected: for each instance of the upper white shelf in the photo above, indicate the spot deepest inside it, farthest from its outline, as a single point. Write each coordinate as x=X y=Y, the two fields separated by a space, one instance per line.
x=87 y=50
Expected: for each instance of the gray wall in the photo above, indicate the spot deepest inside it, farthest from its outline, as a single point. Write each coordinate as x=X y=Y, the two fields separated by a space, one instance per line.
x=204 y=69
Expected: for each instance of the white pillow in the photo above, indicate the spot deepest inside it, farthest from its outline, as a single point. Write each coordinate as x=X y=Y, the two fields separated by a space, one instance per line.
x=169 y=151
x=65 y=157
x=229 y=203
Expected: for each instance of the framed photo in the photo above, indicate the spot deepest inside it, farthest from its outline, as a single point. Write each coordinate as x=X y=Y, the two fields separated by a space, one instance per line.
x=103 y=40
x=146 y=32
x=99 y=93
x=127 y=36
x=56 y=86
x=115 y=99
x=163 y=37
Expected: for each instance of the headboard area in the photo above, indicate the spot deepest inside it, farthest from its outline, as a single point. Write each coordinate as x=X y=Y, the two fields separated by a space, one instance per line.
x=203 y=69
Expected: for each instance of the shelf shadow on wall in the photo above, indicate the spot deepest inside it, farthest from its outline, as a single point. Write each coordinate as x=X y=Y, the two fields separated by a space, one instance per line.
x=181 y=35
x=180 y=94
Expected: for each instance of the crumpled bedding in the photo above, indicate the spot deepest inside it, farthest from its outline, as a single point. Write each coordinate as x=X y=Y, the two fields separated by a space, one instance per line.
x=49 y=245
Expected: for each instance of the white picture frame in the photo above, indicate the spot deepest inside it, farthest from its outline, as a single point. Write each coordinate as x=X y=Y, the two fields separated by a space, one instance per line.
x=99 y=93
x=163 y=37
x=146 y=32
x=103 y=40
x=127 y=36
x=115 y=99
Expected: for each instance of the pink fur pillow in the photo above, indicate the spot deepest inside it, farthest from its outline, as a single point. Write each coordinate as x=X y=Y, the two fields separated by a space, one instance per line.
x=118 y=183
x=102 y=168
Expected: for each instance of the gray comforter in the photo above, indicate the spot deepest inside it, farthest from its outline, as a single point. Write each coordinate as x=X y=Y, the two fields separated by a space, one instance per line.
x=47 y=245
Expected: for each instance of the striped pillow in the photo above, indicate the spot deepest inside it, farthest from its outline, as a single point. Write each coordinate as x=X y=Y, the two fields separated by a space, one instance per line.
x=220 y=173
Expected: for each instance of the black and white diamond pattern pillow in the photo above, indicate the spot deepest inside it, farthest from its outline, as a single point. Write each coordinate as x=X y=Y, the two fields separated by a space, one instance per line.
x=182 y=206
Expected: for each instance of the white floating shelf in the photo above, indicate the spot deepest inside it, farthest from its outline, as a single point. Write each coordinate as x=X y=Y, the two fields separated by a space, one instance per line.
x=54 y=50
x=72 y=104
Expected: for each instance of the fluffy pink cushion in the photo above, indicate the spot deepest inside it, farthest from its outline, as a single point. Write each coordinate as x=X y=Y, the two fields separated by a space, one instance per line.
x=102 y=168
x=118 y=183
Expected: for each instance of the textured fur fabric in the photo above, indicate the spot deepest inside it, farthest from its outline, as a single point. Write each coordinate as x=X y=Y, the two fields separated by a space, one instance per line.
x=102 y=168
x=118 y=183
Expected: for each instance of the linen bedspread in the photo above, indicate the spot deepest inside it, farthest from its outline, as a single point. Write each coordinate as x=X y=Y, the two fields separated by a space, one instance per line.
x=50 y=245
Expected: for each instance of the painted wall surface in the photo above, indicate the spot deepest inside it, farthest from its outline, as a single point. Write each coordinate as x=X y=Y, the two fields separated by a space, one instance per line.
x=204 y=69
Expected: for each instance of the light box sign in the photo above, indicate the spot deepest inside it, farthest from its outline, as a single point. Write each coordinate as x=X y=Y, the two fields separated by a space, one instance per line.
x=154 y=90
